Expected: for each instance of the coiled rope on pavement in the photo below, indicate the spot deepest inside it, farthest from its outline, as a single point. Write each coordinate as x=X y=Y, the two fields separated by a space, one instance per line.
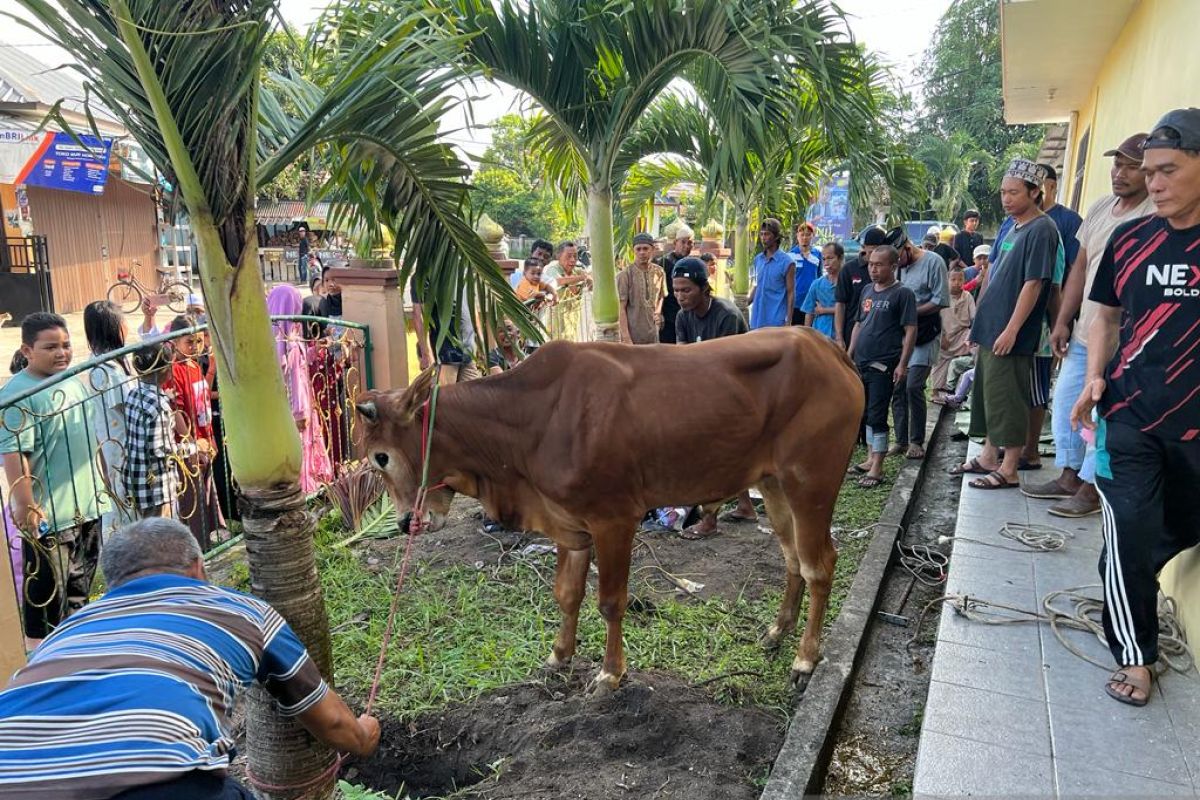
x=1062 y=610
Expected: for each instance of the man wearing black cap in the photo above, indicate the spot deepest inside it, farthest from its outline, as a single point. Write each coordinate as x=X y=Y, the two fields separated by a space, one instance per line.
x=1143 y=380
x=1074 y=488
x=854 y=277
x=703 y=317
x=926 y=274
x=966 y=240
x=641 y=288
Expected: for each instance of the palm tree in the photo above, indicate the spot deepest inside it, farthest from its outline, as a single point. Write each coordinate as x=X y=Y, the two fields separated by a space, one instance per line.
x=595 y=67
x=949 y=163
x=680 y=139
x=183 y=77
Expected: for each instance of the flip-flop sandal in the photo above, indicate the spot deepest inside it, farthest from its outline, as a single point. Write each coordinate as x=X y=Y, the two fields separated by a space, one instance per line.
x=973 y=468
x=1121 y=678
x=730 y=516
x=869 y=482
x=692 y=535
x=993 y=480
x=856 y=469
x=1026 y=466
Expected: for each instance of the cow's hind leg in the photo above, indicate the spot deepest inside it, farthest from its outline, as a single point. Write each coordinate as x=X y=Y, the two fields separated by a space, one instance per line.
x=614 y=548
x=812 y=499
x=780 y=514
x=570 y=583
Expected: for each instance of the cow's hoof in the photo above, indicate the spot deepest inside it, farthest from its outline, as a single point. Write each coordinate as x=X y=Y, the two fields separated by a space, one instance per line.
x=771 y=639
x=553 y=662
x=604 y=684
x=800 y=680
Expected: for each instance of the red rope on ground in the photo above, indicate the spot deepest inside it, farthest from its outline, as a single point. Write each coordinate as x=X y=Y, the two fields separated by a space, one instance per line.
x=415 y=526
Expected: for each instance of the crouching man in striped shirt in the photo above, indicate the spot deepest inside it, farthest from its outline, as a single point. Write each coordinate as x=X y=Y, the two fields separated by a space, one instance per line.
x=131 y=697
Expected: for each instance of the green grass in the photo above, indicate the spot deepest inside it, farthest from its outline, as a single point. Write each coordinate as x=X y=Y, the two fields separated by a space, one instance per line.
x=461 y=632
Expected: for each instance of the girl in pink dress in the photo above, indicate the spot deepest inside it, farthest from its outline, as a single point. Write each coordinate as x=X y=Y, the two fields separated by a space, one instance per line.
x=316 y=468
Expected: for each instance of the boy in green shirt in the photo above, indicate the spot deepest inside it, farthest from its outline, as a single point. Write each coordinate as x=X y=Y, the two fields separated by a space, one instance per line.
x=48 y=450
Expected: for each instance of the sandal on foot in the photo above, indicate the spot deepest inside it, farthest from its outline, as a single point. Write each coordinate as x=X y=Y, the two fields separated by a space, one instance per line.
x=915 y=452
x=972 y=467
x=1121 y=678
x=1025 y=465
x=856 y=469
x=693 y=533
x=993 y=480
x=733 y=516
x=869 y=482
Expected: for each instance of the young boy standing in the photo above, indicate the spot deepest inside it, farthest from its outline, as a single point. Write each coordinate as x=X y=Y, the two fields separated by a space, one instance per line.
x=820 y=303
x=880 y=346
x=150 y=449
x=47 y=447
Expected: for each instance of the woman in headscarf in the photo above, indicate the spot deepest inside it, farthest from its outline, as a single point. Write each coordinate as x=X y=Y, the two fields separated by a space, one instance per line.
x=292 y=350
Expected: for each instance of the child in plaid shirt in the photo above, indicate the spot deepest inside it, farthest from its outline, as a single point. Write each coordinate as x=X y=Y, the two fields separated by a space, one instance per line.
x=150 y=448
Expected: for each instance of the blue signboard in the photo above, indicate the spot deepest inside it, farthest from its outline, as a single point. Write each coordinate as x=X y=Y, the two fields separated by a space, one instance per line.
x=831 y=213
x=66 y=162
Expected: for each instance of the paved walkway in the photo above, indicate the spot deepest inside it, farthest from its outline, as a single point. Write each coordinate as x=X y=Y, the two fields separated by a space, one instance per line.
x=1011 y=711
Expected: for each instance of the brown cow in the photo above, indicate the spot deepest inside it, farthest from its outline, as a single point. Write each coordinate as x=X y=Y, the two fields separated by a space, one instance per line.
x=581 y=439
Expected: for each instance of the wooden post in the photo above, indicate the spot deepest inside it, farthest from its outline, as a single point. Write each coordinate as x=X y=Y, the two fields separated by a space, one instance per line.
x=12 y=636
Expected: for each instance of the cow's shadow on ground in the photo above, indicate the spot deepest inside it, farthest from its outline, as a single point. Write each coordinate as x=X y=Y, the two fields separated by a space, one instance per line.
x=656 y=737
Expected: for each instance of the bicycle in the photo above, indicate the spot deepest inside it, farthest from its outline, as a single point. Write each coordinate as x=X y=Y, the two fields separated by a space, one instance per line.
x=129 y=292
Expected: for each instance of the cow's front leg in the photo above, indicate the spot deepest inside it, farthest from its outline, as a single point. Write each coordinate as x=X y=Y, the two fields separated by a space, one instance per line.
x=614 y=547
x=570 y=583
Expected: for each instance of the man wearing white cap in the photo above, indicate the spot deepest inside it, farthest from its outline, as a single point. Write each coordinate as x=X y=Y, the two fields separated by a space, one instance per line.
x=979 y=262
x=1074 y=487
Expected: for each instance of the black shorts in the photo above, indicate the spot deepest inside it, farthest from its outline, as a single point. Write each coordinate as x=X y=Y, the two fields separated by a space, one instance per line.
x=878 y=386
x=1039 y=381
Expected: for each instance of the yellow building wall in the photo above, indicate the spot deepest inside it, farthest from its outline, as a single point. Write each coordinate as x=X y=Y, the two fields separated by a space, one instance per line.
x=1153 y=67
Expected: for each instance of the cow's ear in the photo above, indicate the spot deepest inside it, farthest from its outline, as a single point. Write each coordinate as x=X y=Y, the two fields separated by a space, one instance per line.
x=417 y=393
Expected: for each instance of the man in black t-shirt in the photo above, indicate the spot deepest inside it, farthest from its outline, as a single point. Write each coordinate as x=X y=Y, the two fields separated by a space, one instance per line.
x=854 y=277
x=1147 y=394
x=703 y=317
x=881 y=345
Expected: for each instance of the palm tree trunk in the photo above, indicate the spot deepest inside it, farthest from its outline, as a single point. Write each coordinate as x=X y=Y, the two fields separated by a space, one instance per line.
x=604 y=274
x=741 y=260
x=279 y=542
x=263 y=444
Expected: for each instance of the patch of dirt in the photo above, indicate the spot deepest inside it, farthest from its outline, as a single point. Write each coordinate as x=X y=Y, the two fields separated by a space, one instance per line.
x=547 y=740
x=741 y=560
x=876 y=747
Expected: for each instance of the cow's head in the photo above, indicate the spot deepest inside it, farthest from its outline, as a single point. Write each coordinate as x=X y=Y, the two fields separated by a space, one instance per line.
x=392 y=422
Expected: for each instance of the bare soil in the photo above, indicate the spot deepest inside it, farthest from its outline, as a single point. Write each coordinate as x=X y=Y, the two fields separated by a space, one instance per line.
x=656 y=737
x=653 y=738
x=876 y=747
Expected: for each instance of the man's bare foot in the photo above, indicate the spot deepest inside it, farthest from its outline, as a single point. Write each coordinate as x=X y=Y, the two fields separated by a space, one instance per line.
x=1130 y=685
x=706 y=527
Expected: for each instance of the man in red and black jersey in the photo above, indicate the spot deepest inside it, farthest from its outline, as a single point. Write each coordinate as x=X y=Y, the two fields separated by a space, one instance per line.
x=1143 y=378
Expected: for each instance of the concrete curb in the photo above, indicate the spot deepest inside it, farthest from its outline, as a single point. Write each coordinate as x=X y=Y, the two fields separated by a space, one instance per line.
x=800 y=766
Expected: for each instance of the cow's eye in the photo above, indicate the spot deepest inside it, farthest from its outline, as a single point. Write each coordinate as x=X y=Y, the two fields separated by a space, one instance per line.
x=382 y=460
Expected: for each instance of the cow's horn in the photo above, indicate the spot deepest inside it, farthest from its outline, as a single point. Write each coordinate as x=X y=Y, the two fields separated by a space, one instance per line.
x=368 y=410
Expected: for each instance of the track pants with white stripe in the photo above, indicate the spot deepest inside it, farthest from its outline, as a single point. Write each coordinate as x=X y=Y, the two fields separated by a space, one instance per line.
x=1148 y=488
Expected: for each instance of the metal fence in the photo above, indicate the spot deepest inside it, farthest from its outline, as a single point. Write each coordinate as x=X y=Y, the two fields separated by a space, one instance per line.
x=78 y=462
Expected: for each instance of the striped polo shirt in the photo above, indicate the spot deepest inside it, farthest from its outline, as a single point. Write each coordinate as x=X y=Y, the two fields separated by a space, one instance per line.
x=139 y=687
